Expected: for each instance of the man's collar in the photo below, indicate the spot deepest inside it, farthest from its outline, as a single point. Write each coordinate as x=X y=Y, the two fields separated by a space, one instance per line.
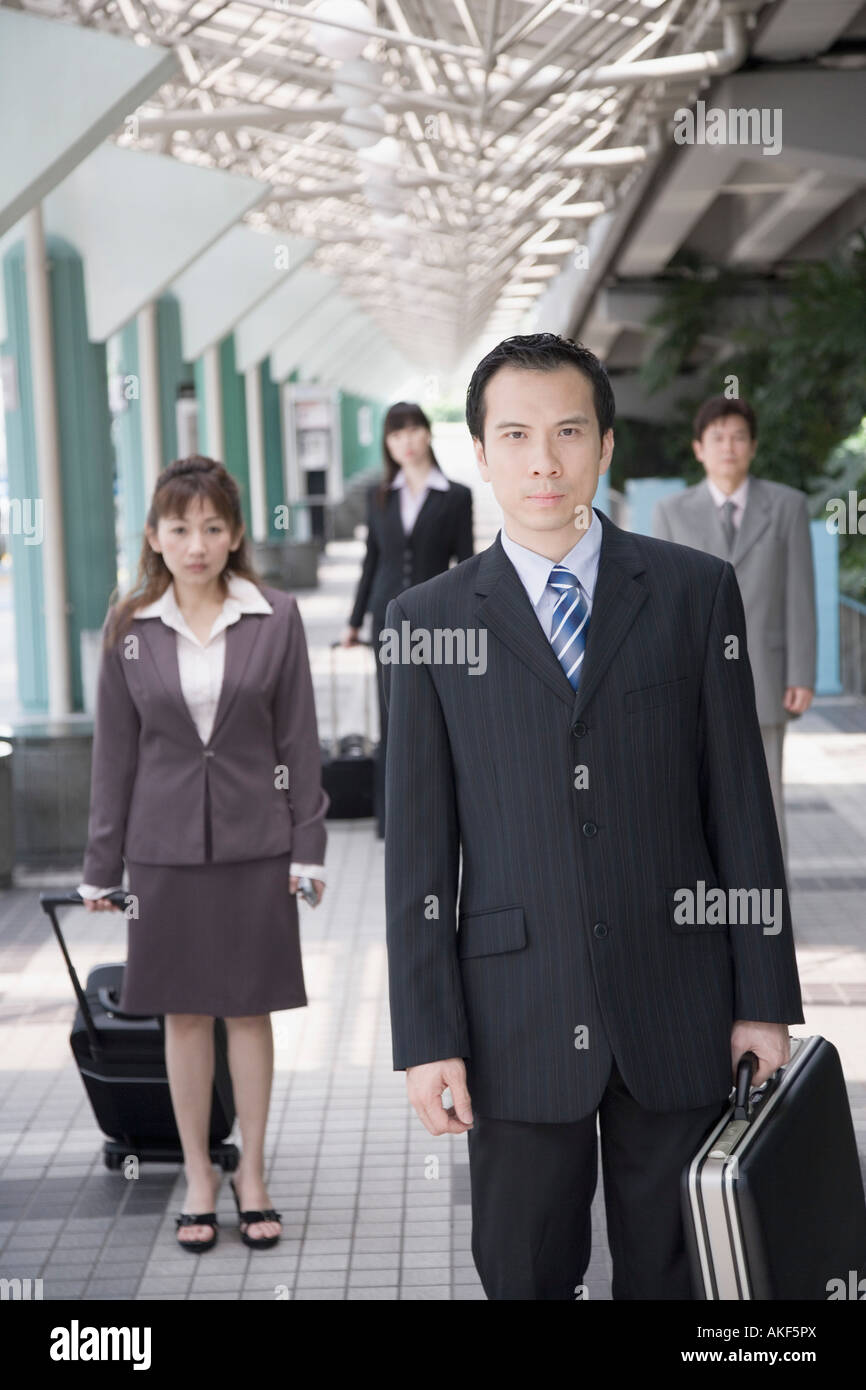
x=738 y=495
x=534 y=569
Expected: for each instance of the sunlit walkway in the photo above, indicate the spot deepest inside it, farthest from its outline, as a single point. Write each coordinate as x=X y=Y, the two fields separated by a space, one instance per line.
x=349 y=1161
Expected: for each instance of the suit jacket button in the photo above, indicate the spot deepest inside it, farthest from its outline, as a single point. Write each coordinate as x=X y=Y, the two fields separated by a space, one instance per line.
x=590 y=827
x=579 y=729
x=600 y=929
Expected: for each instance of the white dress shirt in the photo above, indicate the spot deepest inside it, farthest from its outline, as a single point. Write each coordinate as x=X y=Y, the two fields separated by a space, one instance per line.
x=534 y=570
x=201 y=667
x=738 y=497
x=411 y=503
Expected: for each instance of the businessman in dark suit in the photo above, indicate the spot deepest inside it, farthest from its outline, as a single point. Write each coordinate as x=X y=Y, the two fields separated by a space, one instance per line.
x=605 y=761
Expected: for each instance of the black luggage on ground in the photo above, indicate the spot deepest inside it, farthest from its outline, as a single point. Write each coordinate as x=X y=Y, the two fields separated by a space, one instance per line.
x=348 y=763
x=121 y=1058
x=773 y=1201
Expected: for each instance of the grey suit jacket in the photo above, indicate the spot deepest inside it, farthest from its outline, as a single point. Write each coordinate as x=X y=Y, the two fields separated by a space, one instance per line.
x=772 y=559
x=151 y=771
x=564 y=917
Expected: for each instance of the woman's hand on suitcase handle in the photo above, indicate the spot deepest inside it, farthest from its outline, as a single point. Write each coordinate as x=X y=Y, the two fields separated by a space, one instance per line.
x=350 y=637
x=769 y=1041
x=317 y=883
x=101 y=905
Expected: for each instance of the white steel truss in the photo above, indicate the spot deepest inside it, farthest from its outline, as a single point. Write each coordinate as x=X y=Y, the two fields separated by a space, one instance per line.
x=446 y=155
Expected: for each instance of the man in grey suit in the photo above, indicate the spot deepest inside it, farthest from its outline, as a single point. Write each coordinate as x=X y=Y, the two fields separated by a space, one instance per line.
x=763 y=529
x=557 y=812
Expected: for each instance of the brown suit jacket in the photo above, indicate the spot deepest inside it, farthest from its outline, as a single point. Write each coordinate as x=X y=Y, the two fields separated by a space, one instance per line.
x=161 y=796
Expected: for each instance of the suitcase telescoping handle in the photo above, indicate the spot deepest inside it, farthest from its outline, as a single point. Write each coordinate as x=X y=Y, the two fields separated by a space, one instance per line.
x=335 y=737
x=746 y=1069
x=50 y=903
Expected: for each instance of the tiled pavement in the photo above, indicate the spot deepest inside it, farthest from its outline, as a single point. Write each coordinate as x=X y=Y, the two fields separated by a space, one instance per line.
x=367 y=1216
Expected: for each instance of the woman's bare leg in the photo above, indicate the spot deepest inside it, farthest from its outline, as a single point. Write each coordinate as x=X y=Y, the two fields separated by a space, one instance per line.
x=251 y=1062
x=189 y=1058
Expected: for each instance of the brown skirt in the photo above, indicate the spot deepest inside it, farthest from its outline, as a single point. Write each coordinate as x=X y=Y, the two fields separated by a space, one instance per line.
x=219 y=939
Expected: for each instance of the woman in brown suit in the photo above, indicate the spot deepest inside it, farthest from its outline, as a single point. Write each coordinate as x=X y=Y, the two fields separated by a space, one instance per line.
x=206 y=780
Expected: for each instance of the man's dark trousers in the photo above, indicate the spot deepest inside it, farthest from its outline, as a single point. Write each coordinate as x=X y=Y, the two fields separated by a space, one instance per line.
x=532 y=1190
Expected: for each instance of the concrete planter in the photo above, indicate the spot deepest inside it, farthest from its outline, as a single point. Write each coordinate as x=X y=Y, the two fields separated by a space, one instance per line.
x=288 y=565
x=7 y=822
x=50 y=777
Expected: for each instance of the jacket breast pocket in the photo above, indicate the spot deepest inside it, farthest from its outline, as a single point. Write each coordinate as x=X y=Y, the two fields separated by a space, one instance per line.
x=488 y=933
x=654 y=696
x=685 y=912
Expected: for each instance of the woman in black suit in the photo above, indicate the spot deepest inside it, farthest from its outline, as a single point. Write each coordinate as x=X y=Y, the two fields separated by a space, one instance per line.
x=417 y=520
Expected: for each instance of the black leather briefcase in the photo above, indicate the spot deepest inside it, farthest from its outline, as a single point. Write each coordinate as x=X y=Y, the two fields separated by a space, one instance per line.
x=773 y=1200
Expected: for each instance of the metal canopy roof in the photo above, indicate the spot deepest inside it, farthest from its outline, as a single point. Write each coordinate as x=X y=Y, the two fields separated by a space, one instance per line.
x=446 y=155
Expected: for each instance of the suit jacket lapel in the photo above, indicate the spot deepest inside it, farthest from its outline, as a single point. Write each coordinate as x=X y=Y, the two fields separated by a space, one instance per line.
x=507 y=611
x=240 y=638
x=705 y=522
x=756 y=519
x=430 y=510
x=617 y=599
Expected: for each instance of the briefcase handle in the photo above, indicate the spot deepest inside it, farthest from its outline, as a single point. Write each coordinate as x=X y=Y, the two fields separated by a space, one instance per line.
x=746 y=1068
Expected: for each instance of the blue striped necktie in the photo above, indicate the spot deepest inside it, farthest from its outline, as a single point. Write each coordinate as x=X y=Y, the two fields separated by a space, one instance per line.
x=570 y=622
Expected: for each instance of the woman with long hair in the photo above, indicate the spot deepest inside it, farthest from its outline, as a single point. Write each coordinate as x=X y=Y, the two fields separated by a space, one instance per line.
x=206 y=780
x=417 y=522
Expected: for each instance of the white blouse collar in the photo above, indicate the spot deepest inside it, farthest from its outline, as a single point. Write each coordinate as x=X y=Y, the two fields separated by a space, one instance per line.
x=243 y=597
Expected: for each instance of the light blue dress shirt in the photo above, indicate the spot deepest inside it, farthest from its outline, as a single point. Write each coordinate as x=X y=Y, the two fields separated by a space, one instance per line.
x=534 y=570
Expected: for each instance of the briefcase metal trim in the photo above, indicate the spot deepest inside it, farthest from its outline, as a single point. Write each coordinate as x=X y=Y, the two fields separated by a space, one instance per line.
x=712 y=1178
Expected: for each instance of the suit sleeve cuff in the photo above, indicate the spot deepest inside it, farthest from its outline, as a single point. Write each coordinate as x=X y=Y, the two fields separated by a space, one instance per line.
x=90 y=890
x=309 y=870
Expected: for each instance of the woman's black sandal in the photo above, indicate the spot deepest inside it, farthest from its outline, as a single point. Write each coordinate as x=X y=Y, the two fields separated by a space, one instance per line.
x=250 y=1218
x=207 y=1218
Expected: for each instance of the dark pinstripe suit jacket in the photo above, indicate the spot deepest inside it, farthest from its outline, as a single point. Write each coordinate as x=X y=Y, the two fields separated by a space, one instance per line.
x=566 y=915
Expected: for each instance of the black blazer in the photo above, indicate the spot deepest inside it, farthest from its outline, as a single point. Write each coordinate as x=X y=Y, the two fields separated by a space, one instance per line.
x=395 y=561
x=566 y=914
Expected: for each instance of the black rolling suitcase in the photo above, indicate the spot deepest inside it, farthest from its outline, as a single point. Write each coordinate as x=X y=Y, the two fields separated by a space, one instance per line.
x=121 y=1058
x=348 y=763
x=773 y=1201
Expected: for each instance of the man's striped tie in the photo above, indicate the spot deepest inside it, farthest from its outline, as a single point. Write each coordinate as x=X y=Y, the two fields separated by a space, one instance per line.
x=570 y=622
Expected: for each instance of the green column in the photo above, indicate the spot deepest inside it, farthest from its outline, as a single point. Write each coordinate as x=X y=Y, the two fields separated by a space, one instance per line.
x=123 y=355
x=86 y=470
x=357 y=456
x=28 y=589
x=272 y=421
x=174 y=372
x=234 y=421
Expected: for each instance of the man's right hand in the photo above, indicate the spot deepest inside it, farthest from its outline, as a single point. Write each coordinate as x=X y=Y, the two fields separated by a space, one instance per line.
x=425 y=1084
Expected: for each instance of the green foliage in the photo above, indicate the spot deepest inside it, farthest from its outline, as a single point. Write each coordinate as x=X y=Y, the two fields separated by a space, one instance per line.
x=639 y=451
x=445 y=410
x=801 y=363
